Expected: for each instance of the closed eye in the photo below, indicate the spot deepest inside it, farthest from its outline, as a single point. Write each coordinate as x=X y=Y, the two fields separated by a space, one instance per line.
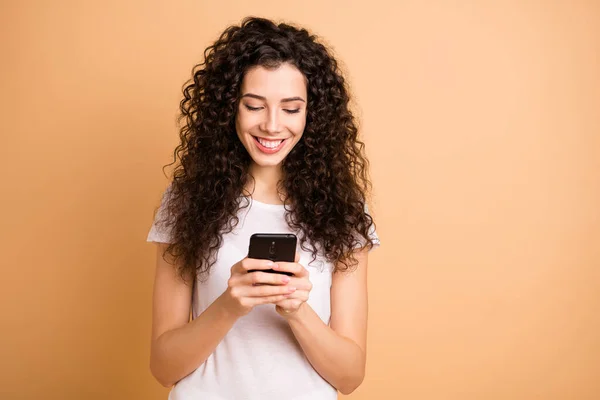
x=250 y=108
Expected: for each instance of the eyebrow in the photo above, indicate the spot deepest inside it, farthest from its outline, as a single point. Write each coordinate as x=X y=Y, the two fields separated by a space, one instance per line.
x=287 y=99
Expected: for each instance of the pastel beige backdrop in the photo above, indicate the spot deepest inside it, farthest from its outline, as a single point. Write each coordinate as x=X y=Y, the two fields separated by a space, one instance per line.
x=482 y=124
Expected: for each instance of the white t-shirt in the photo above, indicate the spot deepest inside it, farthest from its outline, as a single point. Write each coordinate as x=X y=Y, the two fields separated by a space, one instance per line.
x=259 y=358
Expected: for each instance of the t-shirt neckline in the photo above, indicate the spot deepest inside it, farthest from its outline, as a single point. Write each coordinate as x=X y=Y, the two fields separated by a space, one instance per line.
x=264 y=205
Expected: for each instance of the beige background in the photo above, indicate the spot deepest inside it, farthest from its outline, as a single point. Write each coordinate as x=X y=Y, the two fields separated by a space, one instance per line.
x=482 y=125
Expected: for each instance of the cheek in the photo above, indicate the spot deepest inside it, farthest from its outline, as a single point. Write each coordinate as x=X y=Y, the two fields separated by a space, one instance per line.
x=298 y=128
x=242 y=125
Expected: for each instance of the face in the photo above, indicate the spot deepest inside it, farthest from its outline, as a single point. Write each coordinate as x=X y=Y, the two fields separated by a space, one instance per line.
x=271 y=115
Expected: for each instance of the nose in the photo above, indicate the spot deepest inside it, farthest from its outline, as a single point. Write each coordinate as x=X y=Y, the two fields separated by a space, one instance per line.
x=271 y=123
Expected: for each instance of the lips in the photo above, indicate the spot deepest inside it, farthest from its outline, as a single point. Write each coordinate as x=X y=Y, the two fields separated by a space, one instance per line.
x=269 y=142
x=269 y=146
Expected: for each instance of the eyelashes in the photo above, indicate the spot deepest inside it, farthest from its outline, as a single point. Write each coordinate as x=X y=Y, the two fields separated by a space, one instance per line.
x=249 y=108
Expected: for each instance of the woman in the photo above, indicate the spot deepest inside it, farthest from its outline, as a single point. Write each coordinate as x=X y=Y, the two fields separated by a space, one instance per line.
x=268 y=146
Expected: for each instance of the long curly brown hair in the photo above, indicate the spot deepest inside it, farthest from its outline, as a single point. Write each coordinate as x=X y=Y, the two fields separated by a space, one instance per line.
x=325 y=176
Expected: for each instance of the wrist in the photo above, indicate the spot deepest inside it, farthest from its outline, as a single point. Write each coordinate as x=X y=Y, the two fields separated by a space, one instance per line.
x=226 y=308
x=296 y=315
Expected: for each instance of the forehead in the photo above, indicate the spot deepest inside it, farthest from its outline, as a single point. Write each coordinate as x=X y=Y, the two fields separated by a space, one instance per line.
x=283 y=81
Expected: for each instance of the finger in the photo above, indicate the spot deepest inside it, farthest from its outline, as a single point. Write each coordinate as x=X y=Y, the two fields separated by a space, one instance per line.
x=301 y=283
x=268 y=290
x=289 y=304
x=248 y=264
x=265 y=278
x=297 y=258
x=268 y=299
x=295 y=268
x=300 y=295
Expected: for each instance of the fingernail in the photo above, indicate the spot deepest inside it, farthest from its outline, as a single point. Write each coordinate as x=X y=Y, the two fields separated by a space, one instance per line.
x=292 y=289
x=285 y=279
x=275 y=266
x=269 y=263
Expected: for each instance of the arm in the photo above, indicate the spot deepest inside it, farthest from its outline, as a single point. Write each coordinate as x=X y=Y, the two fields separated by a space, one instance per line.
x=338 y=351
x=178 y=346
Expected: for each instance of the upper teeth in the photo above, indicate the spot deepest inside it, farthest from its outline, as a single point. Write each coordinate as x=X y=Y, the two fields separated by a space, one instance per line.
x=269 y=143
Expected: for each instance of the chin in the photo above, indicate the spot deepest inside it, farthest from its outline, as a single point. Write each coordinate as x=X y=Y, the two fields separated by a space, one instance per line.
x=261 y=162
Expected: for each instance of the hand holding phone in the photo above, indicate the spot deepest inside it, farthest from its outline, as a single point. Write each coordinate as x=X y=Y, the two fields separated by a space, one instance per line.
x=300 y=280
x=245 y=291
x=282 y=247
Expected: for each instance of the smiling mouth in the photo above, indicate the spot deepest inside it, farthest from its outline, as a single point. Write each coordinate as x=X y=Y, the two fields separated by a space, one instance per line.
x=269 y=146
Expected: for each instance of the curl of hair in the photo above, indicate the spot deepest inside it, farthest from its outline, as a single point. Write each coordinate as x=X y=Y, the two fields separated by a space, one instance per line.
x=325 y=176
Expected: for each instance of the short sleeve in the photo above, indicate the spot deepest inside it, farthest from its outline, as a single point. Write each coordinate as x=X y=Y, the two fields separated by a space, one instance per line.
x=160 y=230
x=372 y=234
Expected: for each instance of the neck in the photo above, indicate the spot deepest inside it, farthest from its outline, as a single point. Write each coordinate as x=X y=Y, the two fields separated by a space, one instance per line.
x=264 y=185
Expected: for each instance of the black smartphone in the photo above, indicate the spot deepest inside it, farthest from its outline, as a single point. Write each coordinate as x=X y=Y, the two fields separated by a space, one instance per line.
x=274 y=247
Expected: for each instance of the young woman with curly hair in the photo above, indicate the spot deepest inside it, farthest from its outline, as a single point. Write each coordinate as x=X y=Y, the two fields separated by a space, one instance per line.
x=268 y=144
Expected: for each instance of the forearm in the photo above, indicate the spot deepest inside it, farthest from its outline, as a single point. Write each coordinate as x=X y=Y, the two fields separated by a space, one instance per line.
x=339 y=360
x=177 y=353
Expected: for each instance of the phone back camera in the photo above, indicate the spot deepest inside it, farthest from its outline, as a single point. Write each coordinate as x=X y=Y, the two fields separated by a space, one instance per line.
x=272 y=248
